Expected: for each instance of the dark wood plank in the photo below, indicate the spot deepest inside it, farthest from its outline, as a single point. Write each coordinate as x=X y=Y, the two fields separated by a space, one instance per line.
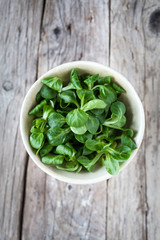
x=20 y=20
x=71 y=30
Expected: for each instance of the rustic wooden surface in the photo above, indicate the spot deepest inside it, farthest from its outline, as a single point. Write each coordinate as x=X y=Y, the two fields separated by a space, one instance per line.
x=36 y=35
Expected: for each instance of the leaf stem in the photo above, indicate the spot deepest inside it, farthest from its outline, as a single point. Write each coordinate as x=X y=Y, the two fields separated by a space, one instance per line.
x=95 y=159
x=82 y=100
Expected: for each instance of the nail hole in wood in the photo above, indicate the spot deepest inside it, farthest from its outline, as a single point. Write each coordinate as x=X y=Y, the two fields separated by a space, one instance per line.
x=154 y=22
x=69 y=28
x=91 y=16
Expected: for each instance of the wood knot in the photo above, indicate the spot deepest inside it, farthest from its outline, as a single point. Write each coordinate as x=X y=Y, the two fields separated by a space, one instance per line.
x=7 y=86
x=69 y=187
x=80 y=57
x=57 y=31
x=19 y=30
x=154 y=21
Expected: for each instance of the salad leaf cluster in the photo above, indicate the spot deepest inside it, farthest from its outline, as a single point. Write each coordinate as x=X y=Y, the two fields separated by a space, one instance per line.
x=81 y=124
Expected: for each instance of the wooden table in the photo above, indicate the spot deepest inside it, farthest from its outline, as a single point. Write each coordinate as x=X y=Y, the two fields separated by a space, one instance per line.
x=37 y=35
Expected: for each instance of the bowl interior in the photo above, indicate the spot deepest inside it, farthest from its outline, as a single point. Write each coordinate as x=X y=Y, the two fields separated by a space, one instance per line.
x=135 y=118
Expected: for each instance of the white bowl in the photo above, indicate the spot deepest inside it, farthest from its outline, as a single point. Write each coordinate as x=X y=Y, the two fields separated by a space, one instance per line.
x=135 y=114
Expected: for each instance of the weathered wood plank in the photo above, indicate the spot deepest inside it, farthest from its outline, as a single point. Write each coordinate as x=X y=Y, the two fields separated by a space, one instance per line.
x=71 y=30
x=18 y=59
x=151 y=31
x=126 y=193
x=74 y=30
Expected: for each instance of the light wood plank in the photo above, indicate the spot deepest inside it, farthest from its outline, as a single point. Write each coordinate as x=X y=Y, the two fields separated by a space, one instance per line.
x=127 y=206
x=71 y=30
x=18 y=59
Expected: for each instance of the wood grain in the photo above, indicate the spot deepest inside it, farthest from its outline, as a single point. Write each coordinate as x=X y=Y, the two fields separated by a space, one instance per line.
x=127 y=203
x=36 y=36
x=151 y=31
x=71 y=30
x=18 y=60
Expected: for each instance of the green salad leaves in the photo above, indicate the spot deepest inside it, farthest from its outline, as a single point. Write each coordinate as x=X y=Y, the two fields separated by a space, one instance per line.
x=80 y=125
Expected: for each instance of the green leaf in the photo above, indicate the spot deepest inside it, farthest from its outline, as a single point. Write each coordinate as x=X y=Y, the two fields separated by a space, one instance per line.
x=94 y=161
x=53 y=159
x=86 y=151
x=121 y=122
x=125 y=140
x=68 y=87
x=38 y=97
x=79 y=169
x=75 y=79
x=64 y=111
x=96 y=103
x=109 y=132
x=85 y=162
x=107 y=93
x=92 y=124
x=69 y=166
x=101 y=117
x=47 y=148
x=54 y=83
x=79 y=130
x=111 y=165
x=104 y=80
x=34 y=130
x=88 y=95
x=76 y=118
x=94 y=145
x=47 y=93
x=121 y=153
x=91 y=80
x=97 y=111
x=71 y=147
x=117 y=119
x=118 y=88
x=84 y=137
x=64 y=150
x=38 y=122
x=46 y=111
x=56 y=120
x=69 y=97
x=115 y=122
x=118 y=109
x=125 y=153
x=68 y=137
x=84 y=76
x=52 y=103
x=129 y=132
x=56 y=136
x=38 y=108
x=36 y=140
